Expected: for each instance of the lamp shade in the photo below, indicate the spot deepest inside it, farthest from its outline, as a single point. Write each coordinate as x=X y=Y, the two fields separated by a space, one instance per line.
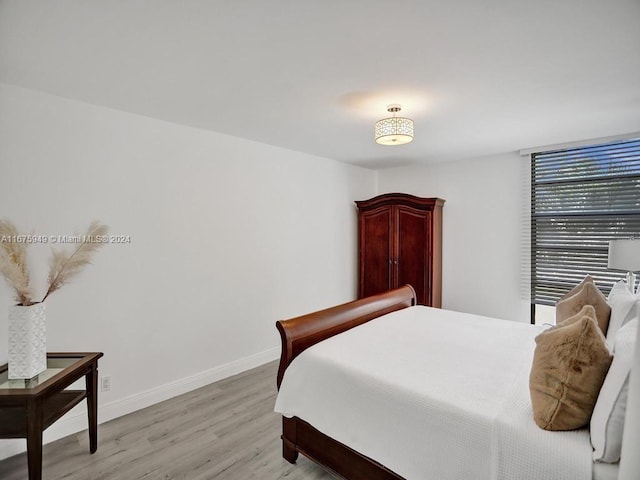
x=624 y=254
x=394 y=131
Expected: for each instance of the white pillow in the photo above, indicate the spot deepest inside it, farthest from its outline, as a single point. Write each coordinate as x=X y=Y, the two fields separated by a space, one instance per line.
x=607 y=421
x=624 y=307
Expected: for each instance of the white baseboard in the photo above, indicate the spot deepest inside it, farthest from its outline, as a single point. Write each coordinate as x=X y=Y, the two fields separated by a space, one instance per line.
x=76 y=420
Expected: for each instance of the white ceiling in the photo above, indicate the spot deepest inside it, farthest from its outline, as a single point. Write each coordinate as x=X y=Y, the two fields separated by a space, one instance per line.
x=478 y=77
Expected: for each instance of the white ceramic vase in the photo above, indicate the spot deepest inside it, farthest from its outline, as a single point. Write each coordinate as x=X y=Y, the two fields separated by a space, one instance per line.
x=27 y=341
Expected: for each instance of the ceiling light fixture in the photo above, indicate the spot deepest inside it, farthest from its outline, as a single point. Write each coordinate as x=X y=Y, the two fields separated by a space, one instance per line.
x=394 y=130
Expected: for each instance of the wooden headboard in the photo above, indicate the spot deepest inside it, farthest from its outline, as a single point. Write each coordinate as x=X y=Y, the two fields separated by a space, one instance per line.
x=300 y=333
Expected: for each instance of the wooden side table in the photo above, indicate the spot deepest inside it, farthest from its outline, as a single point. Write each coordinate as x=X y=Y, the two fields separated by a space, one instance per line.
x=28 y=407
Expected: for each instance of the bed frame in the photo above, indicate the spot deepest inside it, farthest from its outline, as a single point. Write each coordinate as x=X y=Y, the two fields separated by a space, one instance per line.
x=300 y=333
x=298 y=436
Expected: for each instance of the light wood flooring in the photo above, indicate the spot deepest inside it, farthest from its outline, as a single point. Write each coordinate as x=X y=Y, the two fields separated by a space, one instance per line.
x=226 y=431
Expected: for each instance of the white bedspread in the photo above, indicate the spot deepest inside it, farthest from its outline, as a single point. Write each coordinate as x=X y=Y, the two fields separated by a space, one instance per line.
x=435 y=395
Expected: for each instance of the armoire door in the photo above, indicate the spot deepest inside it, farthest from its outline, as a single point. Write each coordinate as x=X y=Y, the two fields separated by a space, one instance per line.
x=412 y=244
x=375 y=251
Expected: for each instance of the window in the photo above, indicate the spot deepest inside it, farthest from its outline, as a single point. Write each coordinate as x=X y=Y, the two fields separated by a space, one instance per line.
x=580 y=199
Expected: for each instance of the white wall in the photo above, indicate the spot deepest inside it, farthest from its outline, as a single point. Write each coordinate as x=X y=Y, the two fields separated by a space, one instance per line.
x=482 y=220
x=227 y=236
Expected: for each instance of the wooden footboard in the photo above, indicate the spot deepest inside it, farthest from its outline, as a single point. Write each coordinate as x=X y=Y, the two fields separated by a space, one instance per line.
x=300 y=333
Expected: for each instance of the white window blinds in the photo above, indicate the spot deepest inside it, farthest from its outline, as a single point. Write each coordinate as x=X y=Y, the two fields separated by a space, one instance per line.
x=580 y=199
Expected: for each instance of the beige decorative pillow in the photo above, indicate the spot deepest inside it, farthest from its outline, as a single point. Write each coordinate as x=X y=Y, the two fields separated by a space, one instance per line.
x=576 y=289
x=587 y=295
x=570 y=364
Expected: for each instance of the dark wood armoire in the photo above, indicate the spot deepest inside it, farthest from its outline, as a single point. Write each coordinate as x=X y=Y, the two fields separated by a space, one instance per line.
x=399 y=243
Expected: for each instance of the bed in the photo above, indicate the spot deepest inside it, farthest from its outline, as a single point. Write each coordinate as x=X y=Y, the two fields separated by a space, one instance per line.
x=417 y=392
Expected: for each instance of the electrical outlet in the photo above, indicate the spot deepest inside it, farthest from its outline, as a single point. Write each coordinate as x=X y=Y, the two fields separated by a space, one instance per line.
x=105 y=383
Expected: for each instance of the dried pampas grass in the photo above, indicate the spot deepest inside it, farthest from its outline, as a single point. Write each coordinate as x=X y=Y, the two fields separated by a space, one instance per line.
x=64 y=265
x=13 y=262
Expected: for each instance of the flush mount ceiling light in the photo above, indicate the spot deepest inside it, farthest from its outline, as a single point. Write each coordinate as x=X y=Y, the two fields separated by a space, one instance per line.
x=394 y=130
